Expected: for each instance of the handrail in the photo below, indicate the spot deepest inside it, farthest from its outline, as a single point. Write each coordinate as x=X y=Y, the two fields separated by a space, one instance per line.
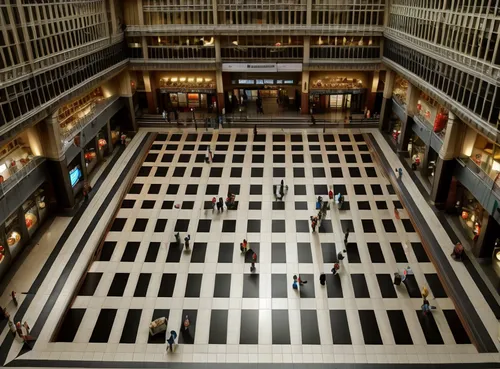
x=18 y=176
x=481 y=175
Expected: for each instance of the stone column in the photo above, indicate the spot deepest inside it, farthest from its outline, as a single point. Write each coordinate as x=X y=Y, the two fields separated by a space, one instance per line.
x=411 y=109
x=304 y=103
x=126 y=94
x=445 y=164
x=110 y=141
x=385 y=111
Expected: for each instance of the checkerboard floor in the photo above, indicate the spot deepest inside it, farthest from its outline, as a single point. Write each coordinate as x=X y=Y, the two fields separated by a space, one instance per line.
x=140 y=274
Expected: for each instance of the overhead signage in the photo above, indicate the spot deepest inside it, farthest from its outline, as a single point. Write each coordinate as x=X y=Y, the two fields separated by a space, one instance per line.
x=262 y=67
x=269 y=81
x=259 y=82
x=288 y=82
x=246 y=81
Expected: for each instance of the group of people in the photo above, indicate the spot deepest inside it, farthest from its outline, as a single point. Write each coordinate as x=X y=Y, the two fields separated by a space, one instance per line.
x=281 y=190
x=20 y=330
x=186 y=240
x=230 y=202
x=316 y=220
x=245 y=250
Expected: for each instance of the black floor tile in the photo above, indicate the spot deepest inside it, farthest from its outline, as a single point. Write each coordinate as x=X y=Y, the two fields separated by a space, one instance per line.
x=368 y=225
x=399 y=328
x=316 y=158
x=297 y=147
x=278 y=205
x=255 y=189
x=141 y=287
x=331 y=147
x=223 y=138
x=253 y=226
x=359 y=189
x=167 y=158
x=70 y=325
x=229 y=225
x=257 y=159
x=314 y=147
x=279 y=147
x=204 y=225
x=188 y=147
x=408 y=226
x=167 y=205
x=216 y=172
x=389 y=225
x=386 y=285
x=309 y=327
x=347 y=225
x=321 y=190
x=167 y=285
x=156 y=147
x=259 y=138
x=340 y=327
x=329 y=253
x=412 y=287
x=435 y=285
x=278 y=138
x=219 y=158
x=376 y=189
x=181 y=225
x=278 y=226
x=184 y=158
x=397 y=204
x=333 y=158
x=193 y=285
x=280 y=327
x=221 y=147
x=160 y=225
x=191 y=137
x=90 y=284
x=200 y=158
x=370 y=172
x=103 y=325
x=240 y=148
x=212 y=189
x=390 y=189
x=191 y=189
x=255 y=205
x=299 y=190
x=297 y=158
x=226 y=252
x=241 y=137
x=278 y=253
x=279 y=286
x=218 y=327
x=159 y=338
x=430 y=328
x=354 y=172
x=304 y=252
x=307 y=289
x=253 y=247
x=257 y=172
x=344 y=138
x=302 y=226
x=154 y=189
x=333 y=286
x=366 y=158
x=131 y=326
x=278 y=158
x=359 y=138
x=420 y=253
x=359 y=285
x=313 y=138
x=346 y=205
x=369 y=326
x=136 y=188
x=364 y=205
x=251 y=285
x=206 y=137
x=457 y=329
x=148 y=204
x=328 y=138
x=152 y=253
x=381 y=205
x=296 y=138
x=249 y=329
x=222 y=286
x=107 y=250
x=144 y=172
x=300 y=205
x=174 y=253
x=362 y=147
x=279 y=172
x=130 y=251
x=187 y=205
x=128 y=204
x=376 y=254
x=399 y=252
x=350 y=158
x=347 y=148
x=198 y=253
x=172 y=189
x=118 y=224
x=299 y=173
x=179 y=172
x=236 y=172
x=171 y=147
x=353 y=253
x=118 y=285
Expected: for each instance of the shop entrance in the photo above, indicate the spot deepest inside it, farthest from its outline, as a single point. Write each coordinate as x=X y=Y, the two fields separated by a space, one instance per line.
x=336 y=102
x=270 y=100
x=185 y=101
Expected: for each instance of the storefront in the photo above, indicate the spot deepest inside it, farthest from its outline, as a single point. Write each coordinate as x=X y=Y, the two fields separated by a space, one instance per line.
x=75 y=173
x=22 y=224
x=422 y=158
x=432 y=113
x=470 y=212
x=395 y=125
x=400 y=90
x=15 y=155
x=179 y=92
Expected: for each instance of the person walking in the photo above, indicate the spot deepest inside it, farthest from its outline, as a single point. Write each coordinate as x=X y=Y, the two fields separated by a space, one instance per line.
x=214 y=202
x=186 y=323
x=425 y=293
x=313 y=223
x=207 y=156
x=186 y=241
x=426 y=307
x=221 y=204
x=12 y=326
x=210 y=154
x=322 y=279
x=254 y=260
x=301 y=282
x=244 y=246
x=27 y=327
x=255 y=130
x=346 y=237
x=178 y=239
x=14 y=298
x=171 y=341
x=19 y=330
x=335 y=269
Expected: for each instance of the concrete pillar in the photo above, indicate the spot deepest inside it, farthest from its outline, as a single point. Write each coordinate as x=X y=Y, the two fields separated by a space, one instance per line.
x=112 y=12
x=218 y=56
x=304 y=103
x=150 y=94
x=220 y=90
x=307 y=50
x=385 y=111
x=126 y=93
x=490 y=232
x=412 y=97
x=140 y=12
x=214 y=9
x=309 y=12
x=110 y=141
x=405 y=134
x=445 y=164
x=411 y=110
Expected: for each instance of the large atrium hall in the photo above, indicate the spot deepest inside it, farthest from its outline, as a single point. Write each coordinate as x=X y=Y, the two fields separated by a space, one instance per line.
x=250 y=184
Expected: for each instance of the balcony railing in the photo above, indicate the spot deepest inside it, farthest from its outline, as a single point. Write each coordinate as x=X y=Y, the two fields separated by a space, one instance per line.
x=345 y=52
x=181 y=52
x=67 y=134
x=490 y=184
x=262 y=52
x=18 y=176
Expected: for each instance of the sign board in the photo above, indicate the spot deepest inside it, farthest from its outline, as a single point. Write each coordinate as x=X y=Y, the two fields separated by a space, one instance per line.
x=262 y=67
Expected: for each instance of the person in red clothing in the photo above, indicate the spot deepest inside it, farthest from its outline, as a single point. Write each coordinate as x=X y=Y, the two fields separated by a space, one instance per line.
x=330 y=194
x=254 y=260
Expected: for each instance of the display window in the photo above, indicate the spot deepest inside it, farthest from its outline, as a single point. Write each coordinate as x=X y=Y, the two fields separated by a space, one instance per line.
x=395 y=128
x=416 y=148
x=72 y=113
x=486 y=155
x=400 y=89
x=31 y=218
x=90 y=157
x=14 y=156
x=470 y=214
x=13 y=233
x=41 y=203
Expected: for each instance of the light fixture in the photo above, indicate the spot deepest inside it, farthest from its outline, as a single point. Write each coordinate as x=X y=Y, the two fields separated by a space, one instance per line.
x=199 y=80
x=174 y=79
x=235 y=42
x=497 y=254
x=320 y=41
x=190 y=79
x=182 y=79
x=159 y=39
x=208 y=79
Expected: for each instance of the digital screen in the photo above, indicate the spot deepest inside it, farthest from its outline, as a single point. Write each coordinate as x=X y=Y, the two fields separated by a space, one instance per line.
x=246 y=81
x=74 y=176
x=279 y=81
x=259 y=82
x=288 y=81
x=269 y=81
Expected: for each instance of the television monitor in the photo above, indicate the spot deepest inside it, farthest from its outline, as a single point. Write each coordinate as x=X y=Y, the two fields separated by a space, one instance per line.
x=74 y=175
